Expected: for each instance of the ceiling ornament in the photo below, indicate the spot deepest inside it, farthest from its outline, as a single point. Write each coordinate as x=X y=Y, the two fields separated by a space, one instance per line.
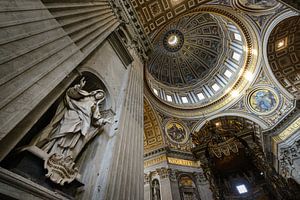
x=152 y=132
x=177 y=135
x=260 y=6
x=263 y=100
x=173 y=40
x=197 y=99
x=155 y=14
x=176 y=132
x=198 y=45
x=284 y=55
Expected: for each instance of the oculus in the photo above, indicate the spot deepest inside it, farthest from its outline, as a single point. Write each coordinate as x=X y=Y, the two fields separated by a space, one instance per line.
x=242 y=189
x=173 y=40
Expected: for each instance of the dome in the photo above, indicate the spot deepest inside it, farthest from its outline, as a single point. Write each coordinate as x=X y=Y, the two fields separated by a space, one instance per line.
x=195 y=59
x=187 y=50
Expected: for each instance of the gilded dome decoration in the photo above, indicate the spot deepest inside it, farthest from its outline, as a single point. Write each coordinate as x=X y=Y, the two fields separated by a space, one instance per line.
x=197 y=58
x=187 y=50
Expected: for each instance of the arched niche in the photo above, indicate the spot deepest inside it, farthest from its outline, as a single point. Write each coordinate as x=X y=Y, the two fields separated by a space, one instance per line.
x=155 y=190
x=14 y=160
x=97 y=79
x=187 y=187
x=92 y=83
x=284 y=54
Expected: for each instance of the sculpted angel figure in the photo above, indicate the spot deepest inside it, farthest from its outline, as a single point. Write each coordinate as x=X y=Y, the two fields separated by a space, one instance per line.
x=77 y=120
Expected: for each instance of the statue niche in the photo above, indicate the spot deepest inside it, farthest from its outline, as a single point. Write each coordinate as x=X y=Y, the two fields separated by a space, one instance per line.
x=155 y=190
x=77 y=120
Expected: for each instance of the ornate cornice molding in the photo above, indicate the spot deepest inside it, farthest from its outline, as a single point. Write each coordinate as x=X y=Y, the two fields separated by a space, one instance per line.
x=128 y=17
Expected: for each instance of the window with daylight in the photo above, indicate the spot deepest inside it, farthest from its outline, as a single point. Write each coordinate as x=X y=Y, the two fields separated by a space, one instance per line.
x=216 y=87
x=242 y=189
x=228 y=73
x=237 y=37
x=200 y=96
x=184 y=100
x=236 y=56
x=169 y=98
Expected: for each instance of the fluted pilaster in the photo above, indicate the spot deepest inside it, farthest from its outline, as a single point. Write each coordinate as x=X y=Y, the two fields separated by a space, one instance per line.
x=127 y=173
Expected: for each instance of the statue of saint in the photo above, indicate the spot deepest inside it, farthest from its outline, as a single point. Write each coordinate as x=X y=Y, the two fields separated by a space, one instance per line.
x=77 y=120
x=155 y=190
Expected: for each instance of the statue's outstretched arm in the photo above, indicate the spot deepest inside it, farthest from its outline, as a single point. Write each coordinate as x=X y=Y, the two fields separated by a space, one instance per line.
x=76 y=92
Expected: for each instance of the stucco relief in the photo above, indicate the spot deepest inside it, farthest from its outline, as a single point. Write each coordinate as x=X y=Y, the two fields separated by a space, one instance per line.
x=287 y=164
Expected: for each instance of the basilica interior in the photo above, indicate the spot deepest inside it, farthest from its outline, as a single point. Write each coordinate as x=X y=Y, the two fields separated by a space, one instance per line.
x=150 y=99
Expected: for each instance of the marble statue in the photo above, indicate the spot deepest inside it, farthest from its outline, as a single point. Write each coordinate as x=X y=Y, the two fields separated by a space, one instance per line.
x=155 y=191
x=77 y=120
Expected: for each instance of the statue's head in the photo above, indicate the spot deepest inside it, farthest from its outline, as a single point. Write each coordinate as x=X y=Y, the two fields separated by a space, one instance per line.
x=100 y=95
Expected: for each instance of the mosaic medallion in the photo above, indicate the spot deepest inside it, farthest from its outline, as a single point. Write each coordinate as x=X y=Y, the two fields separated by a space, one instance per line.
x=257 y=5
x=176 y=132
x=263 y=101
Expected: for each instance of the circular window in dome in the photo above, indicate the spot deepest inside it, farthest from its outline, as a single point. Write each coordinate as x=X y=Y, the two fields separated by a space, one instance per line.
x=173 y=40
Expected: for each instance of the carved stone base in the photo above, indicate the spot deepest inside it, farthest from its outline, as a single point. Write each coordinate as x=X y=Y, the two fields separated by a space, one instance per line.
x=60 y=169
x=29 y=163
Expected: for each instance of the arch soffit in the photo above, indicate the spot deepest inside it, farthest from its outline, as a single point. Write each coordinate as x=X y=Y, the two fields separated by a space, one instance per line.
x=272 y=23
x=258 y=121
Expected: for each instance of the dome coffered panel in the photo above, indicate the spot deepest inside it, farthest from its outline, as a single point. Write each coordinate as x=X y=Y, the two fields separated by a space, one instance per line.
x=201 y=61
x=284 y=54
x=198 y=42
x=156 y=13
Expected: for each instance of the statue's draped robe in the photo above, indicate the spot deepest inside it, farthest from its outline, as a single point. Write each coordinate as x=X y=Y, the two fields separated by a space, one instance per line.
x=71 y=128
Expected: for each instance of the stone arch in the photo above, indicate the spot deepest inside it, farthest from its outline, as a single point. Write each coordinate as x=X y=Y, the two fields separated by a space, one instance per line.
x=254 y=119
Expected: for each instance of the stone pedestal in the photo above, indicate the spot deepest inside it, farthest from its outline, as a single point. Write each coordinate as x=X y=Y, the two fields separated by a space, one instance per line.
x=29 y=163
